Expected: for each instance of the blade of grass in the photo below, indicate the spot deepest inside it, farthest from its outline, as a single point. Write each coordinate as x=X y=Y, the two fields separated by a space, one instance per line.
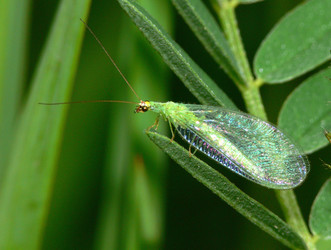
x=114 y=188
x=13 y=36
x=194 y=78
x=26 y=192
x=222 y=187
x=125 y=177
x=149 y=206
x=117 y=194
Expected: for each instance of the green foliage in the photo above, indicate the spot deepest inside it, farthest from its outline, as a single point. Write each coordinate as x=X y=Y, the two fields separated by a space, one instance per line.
x=134 y=183
x=320 y=216
x=306 y=112
x=94 y=180
x=13 y=25
x=195 y=79
x=297 y=44
x=277 y=60
x=227 y=191
x=211 y=36
x=27 y=185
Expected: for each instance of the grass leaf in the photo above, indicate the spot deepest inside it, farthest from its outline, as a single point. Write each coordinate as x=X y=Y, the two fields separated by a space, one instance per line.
x=26 y=191
x=298 y=43
x=136 y=168
x=222 y=187
x=13 y=36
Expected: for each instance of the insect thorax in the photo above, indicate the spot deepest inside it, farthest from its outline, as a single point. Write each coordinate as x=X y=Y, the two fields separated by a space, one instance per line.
x=169 y=110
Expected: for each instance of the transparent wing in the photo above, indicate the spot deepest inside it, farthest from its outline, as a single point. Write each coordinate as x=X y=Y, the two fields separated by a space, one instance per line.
x=245 y=144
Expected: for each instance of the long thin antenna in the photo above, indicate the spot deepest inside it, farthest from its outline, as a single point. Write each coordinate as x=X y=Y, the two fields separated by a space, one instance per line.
x=60 y=103
x=111 y=59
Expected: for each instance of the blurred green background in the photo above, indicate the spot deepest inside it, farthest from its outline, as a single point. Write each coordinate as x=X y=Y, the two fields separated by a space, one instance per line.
x=114 y=189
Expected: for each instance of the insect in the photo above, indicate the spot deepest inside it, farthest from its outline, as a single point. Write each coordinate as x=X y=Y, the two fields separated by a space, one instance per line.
x=247 y=145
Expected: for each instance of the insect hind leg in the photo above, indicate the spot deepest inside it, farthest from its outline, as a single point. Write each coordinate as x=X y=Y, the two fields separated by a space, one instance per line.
x=172 y=132
x=191 y=144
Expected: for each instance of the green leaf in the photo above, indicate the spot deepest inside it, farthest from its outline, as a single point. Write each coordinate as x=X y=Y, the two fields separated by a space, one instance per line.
x=306 y=112
x=136 y=180
x=27 y=188
x=194 y=78
x=298 y=43
x=322 y=244
x=222 y=187
x=146 y=202
x=13 y=26
x=211 y=36
x=320 y=216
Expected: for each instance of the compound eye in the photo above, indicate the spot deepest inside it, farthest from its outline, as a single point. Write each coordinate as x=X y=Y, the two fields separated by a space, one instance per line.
x=145 y=109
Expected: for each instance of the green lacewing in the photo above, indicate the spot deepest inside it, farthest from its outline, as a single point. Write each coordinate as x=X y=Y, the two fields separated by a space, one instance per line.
x=245 y=144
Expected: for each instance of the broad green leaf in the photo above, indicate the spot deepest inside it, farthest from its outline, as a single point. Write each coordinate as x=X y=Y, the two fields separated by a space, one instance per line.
x=222 y=187
x=307 y=111
x=27 y=186
x=194 y=78
x=13 y=36
x=320 y=215
x=298 y=43
x=210 y=34
x=322 y=244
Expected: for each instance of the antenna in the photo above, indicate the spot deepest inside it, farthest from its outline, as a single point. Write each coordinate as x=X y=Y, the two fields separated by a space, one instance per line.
x=60 y=103
x=110 y=58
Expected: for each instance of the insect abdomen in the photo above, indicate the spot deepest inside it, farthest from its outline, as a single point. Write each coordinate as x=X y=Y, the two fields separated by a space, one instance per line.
x=199 y=143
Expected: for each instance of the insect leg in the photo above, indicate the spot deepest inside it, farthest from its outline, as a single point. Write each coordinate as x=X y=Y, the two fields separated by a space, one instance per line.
x=327 y=135
x=156 y=124
x=195 y=151
x=189 y=149
x=172 y=132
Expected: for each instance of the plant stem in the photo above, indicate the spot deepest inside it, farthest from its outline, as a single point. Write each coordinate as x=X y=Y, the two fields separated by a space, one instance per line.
x=229 y=22
x=293 y=215
x=255 y=106
x=253 y=101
